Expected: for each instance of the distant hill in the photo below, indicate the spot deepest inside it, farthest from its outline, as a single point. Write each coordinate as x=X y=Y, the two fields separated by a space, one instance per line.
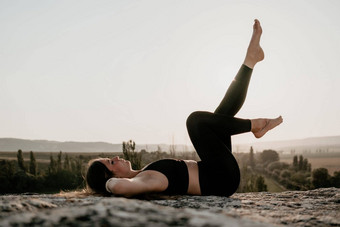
x=315 y=144
x=310 y=145
x=13 y=144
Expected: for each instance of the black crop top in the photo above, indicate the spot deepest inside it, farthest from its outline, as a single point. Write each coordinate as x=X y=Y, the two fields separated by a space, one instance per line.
x=177 y=173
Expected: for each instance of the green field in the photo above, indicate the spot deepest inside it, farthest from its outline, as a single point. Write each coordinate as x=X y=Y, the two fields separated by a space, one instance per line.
x=273 y=186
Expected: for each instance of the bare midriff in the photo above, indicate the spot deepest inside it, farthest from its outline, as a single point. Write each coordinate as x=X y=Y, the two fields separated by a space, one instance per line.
x=194 y=183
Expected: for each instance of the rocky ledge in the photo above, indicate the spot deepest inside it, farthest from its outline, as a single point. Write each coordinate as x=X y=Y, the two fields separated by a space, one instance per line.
x=319 y=207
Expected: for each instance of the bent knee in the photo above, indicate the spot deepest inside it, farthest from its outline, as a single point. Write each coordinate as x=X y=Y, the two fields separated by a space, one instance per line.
x=194 y=118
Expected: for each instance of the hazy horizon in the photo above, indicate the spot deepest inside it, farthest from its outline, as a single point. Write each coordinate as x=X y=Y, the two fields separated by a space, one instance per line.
x=326 y=145
x=141 y=143
x=113 y=71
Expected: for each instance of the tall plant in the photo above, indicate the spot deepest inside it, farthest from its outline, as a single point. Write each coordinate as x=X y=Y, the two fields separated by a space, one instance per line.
x=129 y=154
x=21 y=160
x=33 y=164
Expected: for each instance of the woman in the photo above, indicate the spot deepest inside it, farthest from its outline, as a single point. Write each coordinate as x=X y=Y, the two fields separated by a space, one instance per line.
x=217 y=173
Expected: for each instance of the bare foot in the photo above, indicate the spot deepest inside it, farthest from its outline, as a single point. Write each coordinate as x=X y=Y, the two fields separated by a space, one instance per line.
x=259 y=127
x=254 y=52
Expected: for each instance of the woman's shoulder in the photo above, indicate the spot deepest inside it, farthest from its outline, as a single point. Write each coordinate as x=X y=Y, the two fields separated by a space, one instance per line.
x=149 y=176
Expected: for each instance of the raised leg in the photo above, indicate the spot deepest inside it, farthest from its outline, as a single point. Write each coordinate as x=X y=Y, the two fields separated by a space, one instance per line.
x=255 y=53
x=237 y=91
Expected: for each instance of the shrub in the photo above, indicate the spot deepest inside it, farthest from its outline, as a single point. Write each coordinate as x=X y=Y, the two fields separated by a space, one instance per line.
x=276 y=175
x=268 y=156
x=299 y=178
x=321 y=178
x=335 y=179
x=286 y=174
x=260 y=185
x=277 y=165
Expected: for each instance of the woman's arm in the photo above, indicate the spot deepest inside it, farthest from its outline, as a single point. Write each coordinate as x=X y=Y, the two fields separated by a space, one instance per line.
x=145 y=182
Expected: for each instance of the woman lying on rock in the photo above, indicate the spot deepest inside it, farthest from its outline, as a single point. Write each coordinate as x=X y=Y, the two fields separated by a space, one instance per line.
x=217 y=173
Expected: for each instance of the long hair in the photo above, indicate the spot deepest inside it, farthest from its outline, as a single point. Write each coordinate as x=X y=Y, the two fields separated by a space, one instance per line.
x=96 y=176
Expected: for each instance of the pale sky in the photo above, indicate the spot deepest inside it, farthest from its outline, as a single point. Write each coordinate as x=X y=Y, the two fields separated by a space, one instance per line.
x=117 y=70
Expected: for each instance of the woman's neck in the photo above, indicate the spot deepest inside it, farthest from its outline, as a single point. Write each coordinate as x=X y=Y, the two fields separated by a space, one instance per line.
x=134 y=173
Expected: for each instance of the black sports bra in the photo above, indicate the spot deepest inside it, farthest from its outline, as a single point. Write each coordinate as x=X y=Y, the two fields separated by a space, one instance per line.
x=177 y=173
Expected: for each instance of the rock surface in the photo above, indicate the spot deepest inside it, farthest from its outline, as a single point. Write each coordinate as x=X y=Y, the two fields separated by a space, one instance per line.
x=319 y=207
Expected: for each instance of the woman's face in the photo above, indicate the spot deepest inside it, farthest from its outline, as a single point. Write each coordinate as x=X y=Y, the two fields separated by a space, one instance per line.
x=120 y=167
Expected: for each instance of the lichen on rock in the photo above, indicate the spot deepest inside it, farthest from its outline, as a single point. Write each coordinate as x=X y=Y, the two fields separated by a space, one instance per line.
x=318 y=207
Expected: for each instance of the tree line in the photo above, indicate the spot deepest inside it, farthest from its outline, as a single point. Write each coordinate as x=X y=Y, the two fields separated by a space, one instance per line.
x=295 y=176
x=62 y=174
x=67 y=173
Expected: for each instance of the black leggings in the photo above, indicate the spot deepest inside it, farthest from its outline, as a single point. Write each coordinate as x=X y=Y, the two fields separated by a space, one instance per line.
x=210 y=133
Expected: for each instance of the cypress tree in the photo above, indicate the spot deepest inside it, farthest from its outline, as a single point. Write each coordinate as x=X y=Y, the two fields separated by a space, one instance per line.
x=21 y=160
x=33 y=164
x=309 y=167
x=67 y=163
x=52 y=168
x=59 y=162
x=251 y=158
x=300 y=162
x=78 y=166
x=305 y=164
x=260 y=185
x=295 y=163
x=73 y=166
